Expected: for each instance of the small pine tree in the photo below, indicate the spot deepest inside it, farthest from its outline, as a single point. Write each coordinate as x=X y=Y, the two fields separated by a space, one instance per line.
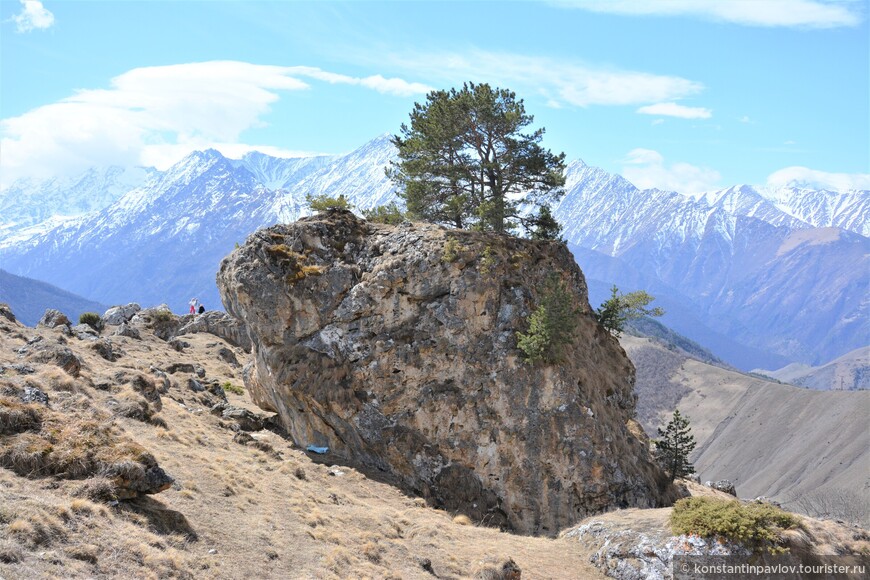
x=551 y=325
x=322 y=203
x=620 y=308
x=674 y=445
x=545 y=226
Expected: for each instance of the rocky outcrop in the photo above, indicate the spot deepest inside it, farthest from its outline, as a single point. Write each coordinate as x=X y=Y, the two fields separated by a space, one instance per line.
x=395 y=346
x=645 y=552
x=54 y=318
x=217 y=323
x=118 y=315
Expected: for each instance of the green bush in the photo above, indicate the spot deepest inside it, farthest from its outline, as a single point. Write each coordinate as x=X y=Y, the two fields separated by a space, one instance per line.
x=163 y=316
x=551 y=325
x=92 y=319
x=756 y=525
x=385 y=214
x=229 y=387
x=322 y=203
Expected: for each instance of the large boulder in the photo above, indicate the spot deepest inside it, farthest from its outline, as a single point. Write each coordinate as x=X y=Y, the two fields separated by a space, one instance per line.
x=395 y=347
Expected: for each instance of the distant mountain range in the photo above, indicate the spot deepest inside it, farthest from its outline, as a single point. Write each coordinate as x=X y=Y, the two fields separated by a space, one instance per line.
x=760 y=277
x=850 y=372
x=29 y=299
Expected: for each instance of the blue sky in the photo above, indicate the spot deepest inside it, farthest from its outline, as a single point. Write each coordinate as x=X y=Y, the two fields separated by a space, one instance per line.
x=676 y=94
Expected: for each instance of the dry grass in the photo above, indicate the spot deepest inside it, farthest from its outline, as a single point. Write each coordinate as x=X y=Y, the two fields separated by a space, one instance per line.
x=263 y=515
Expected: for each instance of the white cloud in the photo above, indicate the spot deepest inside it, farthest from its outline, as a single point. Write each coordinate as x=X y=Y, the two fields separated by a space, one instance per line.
x=675 y=110
x=392 y=86
x=745 y=119
x=797 y=176
x=768 y=13
x=647 y=169
x=562 y=82
x=156 y=115
x=33 y=16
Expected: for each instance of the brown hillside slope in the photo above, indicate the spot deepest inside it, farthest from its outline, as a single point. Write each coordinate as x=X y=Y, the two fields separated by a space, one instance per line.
x=239 y=508
x=769 y=439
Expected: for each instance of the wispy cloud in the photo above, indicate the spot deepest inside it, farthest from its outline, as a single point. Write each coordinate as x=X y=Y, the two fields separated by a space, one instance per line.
x=768 y=13
x=33 y=16
x=797 y=176
x=156 y=115
x=561 y=82
x=675 y=110
x=391 y=86
x=647 y=169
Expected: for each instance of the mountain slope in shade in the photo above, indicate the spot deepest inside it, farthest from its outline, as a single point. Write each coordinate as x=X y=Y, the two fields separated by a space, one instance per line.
x=29 y=299
x=770 y=439
x=850 y=372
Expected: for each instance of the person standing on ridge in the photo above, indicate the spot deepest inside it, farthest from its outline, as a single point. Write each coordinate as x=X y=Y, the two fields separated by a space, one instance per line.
x=193 y=302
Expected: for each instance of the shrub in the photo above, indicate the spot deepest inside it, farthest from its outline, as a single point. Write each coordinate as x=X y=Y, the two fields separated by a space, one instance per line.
x=551 y=325
x=385 y=214
x=229 y=387
x=323 y=203
x=451 y=251
x=756 y=525
x=92 y=319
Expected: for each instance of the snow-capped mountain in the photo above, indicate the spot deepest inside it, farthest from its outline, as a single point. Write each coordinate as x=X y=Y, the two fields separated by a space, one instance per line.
x=27 y=203
x=763 y=277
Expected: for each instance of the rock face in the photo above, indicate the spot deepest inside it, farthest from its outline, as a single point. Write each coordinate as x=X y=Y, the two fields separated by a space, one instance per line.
x=395 y=346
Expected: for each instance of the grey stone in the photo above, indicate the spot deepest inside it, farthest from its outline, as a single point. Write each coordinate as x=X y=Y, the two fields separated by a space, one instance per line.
x=722 y=485
x=53 y=318
x=117 y=315
x=367 y=342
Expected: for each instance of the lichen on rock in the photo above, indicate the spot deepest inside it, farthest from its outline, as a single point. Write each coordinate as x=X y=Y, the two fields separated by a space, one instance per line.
x=371 y=343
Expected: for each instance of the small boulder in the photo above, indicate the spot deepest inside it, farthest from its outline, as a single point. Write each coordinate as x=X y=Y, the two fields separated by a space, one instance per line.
x=125 y=329
x=228 y=357
x=84 y=332
x=53 y=318
x=118 y=315
x=33 y=395
x=722 y=485
x=132 y=479
x=58 y=355
x=106 y=349
x=195 y=386
x=246 y=420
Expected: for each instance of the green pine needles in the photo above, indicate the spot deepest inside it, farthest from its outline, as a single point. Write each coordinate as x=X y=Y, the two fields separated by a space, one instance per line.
x=674 y=445
x=551 y=325
x=617 y=310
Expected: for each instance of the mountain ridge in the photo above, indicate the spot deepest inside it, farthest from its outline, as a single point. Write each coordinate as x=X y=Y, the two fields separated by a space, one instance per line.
x=712 y=255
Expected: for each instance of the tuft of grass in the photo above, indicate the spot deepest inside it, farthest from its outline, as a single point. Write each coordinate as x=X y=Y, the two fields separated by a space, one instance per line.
x=231 y=388
x=92 y=319
x=462 y=520
x=16 y=417
x=756 y=525
x=451 y=251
